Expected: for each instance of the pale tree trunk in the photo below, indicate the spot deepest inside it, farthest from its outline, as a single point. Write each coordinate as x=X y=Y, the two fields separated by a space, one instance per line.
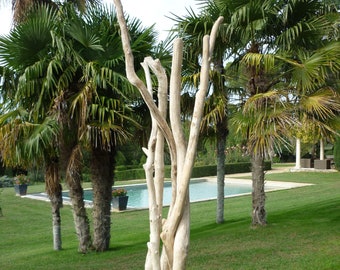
x=54 y=192
x=298 y=154
x=322 y=149
x=155 y=164
x=175 y=229
x=221 y=142
x=74 y=179
x=181 y=243
x=172 y=233
x=102 y=167
x=182 y=232
x=258 y=193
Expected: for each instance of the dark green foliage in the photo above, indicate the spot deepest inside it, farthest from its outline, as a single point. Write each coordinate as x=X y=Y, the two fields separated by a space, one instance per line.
x=201 y=171
x=198 y=171
x=129 y=174
x=127 y=167
x=6 y=181
x=337 y=153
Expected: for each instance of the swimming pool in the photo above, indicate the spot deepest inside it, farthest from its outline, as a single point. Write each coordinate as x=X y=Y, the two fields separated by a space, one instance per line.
x=200 y=190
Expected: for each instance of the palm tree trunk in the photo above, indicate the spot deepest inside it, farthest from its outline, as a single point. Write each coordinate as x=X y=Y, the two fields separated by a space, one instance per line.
x=221 y=142
x=54 y=191
x=258 y=194
x=102 y=167
x=74 y=179
x=56 y=202
x=70 y=163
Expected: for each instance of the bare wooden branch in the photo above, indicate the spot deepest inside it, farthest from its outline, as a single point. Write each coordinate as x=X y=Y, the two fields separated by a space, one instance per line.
x=133 y=78
x=174 y=218
x=175 y=112
x=213 y=34
x=162 y=79
x=157 y=160
x=175 y=230
x=153 y=260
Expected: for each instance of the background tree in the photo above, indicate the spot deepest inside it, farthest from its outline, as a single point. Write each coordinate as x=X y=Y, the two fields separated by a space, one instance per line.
x=191 y=29
x=337 y=153
x=109 y=114
x=78 y=66
x=96 y=98
x=261 y=31
x=29 y=133
x=21 y=7
x=21 y=11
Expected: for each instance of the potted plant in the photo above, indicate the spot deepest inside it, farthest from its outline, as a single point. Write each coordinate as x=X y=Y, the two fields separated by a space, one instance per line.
x=119 y=199
x=21 y=182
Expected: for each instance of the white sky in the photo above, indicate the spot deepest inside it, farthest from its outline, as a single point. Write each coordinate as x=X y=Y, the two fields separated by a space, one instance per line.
x=5 y=17
x=149 y=11
x=155 y=11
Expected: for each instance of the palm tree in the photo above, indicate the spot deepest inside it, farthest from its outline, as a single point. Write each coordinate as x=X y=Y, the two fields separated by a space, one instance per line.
x=96 y=103
x=267 y=32
x=21 y=13
x=23 y=119
x=43 y=77
x=21 y=7
x=191 y=29
x=81 y=67
x=25 y=144
x=107 y=116
x=317 y=126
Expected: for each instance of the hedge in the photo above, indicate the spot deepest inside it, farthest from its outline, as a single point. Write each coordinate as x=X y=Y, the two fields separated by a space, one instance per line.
x=198 y=171
x=337 y=153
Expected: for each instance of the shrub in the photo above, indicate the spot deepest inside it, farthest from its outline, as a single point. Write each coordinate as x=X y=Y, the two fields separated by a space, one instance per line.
x=337 y=153
x=86 y=177
x=198 y=171
x=237 y=153
x=129 y=174
x=6 y=181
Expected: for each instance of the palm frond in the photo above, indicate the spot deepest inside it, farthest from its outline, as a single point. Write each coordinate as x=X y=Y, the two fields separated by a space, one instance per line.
x=322 y=104
x=79 y=31
x=41 y=138
x=264 y=122
x=260 y=61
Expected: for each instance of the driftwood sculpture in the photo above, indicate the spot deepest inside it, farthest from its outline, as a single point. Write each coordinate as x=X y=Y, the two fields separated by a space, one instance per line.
x=174 y=230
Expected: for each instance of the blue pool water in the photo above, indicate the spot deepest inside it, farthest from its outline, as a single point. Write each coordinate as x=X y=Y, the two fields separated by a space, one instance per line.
x=200 y=190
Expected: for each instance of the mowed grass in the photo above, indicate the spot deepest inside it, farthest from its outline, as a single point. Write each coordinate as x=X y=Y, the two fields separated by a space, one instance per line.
x=303 y=232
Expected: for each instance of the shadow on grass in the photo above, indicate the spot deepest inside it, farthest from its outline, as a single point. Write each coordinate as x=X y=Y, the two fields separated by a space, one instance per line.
x=312 y=213
x=319 y=215
x=122 y=247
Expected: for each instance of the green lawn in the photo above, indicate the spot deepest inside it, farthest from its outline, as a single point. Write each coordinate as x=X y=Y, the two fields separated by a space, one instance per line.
x=303 y=232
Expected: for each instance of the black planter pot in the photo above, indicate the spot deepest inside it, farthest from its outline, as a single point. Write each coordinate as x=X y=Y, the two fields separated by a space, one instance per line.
x=120 y=203
x=20 y=190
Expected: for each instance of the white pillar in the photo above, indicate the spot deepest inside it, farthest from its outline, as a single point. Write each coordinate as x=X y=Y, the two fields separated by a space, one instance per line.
x=322 y=150
x=298 y=154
